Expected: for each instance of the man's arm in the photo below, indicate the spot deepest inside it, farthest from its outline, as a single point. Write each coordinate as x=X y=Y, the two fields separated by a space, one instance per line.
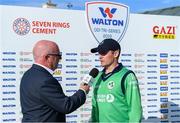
x=133 y=98
x=52 y=94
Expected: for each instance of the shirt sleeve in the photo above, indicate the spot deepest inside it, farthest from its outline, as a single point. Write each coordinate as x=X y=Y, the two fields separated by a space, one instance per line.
x=51 y=93
x=133 y=98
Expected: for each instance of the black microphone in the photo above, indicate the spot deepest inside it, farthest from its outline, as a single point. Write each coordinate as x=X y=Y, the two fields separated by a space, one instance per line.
x=89 y=78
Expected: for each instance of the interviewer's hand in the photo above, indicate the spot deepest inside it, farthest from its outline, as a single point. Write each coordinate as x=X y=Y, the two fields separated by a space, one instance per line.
x=85 y=87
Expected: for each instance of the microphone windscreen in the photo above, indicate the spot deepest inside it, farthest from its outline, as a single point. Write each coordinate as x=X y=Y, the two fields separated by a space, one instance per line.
x=94 y=72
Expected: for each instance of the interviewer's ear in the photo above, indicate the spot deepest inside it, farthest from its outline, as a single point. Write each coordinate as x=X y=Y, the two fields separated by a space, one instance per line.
x=46 y=56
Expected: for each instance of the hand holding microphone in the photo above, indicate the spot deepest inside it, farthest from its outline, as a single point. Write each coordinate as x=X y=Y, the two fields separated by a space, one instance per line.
x=88 y=80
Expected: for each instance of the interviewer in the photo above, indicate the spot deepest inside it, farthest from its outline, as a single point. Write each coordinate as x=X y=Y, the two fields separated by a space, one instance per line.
x=42 y=97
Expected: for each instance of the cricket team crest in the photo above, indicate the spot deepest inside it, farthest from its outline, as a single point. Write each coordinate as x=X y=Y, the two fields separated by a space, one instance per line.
x=107 y=20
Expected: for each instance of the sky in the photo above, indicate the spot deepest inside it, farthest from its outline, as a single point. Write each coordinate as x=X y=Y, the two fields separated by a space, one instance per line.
x=136 y=6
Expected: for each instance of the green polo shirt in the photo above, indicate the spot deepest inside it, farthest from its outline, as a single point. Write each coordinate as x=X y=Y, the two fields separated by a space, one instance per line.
x=109 y=104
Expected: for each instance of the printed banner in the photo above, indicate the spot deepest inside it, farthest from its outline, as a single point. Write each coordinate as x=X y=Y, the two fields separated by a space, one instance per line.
x=150 y=47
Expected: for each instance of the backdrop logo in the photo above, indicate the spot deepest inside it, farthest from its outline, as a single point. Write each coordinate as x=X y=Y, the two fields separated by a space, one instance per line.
x=107 y=20
x=21 y=26
x=107 y=12
x=164 y=32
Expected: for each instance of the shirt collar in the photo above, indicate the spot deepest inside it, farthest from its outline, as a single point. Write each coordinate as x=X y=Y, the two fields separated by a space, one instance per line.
x=49 y=70
x=116 y=69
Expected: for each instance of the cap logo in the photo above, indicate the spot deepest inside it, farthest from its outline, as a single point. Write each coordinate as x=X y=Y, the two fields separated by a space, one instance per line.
x=107 y=20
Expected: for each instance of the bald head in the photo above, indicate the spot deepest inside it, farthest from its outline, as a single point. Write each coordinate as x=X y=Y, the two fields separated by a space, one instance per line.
x=43 y=48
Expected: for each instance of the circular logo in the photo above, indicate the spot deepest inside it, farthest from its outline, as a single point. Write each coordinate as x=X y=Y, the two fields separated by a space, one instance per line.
x=110 y=98
x=110 y=84
x=21 y=26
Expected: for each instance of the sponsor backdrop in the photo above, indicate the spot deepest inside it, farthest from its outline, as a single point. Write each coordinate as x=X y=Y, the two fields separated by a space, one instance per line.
x=149 y=43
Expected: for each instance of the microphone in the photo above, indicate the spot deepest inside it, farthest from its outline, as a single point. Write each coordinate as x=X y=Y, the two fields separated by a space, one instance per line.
x=89 y=78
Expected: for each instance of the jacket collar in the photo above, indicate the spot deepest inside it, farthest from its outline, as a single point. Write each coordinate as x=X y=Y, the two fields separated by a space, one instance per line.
x=40 y=68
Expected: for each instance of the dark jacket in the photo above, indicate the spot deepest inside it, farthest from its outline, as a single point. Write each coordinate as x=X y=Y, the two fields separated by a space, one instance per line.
x=42 y=98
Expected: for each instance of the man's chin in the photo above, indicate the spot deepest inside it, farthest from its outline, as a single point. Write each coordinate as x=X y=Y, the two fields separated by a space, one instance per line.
x=103 y=65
